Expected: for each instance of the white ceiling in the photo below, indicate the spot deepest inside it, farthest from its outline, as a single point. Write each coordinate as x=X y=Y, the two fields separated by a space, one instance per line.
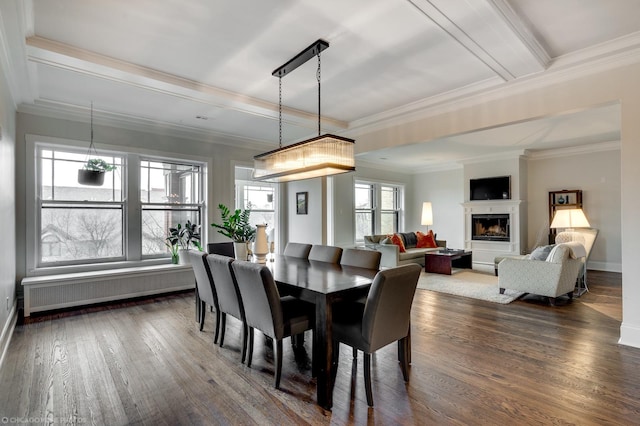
x=165 y=63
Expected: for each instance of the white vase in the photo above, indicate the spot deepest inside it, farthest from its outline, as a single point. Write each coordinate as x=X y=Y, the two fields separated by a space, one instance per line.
x=260 y=246
x=183 y=258
x=240 y=250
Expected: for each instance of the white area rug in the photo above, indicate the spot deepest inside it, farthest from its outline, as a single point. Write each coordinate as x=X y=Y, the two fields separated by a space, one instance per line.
x=468 y=283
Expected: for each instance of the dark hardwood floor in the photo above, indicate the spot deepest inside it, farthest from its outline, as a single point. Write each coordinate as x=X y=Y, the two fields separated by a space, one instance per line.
x=474 y=362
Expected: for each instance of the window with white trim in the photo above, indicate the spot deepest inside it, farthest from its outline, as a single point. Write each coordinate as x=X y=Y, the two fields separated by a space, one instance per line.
x=82 y=225
x=378 y=208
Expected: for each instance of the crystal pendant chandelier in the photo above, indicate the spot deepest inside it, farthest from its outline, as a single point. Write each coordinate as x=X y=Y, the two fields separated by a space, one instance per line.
x=323 y=155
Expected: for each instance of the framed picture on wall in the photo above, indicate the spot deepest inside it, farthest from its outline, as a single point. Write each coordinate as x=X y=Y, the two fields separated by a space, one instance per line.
x=301 y=202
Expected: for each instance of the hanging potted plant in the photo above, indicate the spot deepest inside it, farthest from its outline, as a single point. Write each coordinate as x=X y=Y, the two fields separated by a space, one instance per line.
x=92 y=173
x=180 y=239
x=237 y=227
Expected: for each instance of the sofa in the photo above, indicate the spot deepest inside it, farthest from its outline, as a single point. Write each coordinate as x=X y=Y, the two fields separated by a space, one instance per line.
x=391 y=256
x=552 y=277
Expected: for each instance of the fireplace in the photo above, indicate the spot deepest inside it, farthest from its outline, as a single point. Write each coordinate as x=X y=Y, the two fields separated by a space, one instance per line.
x=490 y=227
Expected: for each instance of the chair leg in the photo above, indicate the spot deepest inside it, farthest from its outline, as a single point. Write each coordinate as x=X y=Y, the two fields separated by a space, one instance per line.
x=501 y=290
x=335 y=358
x=223 y=327
x=215 y=337
x=367 y=378
x=250 y=354
x=408 y=347
x=355 y=353
x=403 y=346
x=278 y=362
x=203 y=309
x=244 y=341
x=552 y=301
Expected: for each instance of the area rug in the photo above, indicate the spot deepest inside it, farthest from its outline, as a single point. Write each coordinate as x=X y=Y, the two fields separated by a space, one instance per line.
x=476 y=285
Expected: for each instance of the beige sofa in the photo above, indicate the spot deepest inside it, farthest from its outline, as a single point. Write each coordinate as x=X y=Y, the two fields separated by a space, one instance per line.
x=391 y=256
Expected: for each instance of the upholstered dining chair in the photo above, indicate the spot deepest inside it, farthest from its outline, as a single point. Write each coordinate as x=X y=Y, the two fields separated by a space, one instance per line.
x=297 y=250
x=205 y=288
x=382 y=320
x=229 y=300
x=330 y=254
x=265 y=310
x=369 y=259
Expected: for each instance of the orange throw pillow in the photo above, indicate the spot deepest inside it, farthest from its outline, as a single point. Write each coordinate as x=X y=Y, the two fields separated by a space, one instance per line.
x=426 y=240
x=397 y=240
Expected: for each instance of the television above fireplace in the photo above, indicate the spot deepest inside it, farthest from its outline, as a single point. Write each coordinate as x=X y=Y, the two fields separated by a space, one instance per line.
x=491 y=188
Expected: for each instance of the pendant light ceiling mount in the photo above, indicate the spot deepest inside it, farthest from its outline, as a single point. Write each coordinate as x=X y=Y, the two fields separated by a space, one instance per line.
x=324 y=155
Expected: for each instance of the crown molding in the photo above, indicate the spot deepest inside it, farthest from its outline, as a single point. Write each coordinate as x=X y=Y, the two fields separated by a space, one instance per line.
x=71 y=112
x=606 y=56
x=572 y=151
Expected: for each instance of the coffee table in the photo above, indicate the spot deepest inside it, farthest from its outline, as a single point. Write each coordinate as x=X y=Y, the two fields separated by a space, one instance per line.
x=441 y=262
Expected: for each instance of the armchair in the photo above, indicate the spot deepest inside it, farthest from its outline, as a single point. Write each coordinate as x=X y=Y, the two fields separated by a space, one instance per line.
x=553 y=277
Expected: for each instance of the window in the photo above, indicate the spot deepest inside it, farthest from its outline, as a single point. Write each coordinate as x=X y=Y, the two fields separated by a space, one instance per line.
x=365 y=219
x=259 y=197
x=79 y=225
x=170 y=193
x=378 y=209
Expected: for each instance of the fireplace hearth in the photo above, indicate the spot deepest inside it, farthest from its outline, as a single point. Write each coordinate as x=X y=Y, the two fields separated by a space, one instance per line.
x=490 y=227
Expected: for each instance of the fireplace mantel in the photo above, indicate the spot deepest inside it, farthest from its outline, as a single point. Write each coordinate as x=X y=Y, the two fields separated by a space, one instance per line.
x=484 y=252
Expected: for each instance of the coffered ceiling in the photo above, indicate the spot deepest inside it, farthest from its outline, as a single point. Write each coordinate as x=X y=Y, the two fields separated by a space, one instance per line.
x=202 y=68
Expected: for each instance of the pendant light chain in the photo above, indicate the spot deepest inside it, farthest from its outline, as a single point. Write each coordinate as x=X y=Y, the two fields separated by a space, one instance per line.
x=318 y=77
x=280 y=108
x=91 y=146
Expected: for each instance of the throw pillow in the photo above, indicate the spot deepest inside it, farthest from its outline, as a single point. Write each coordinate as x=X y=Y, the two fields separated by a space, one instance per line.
x=426 y=240
x=397 y=240
x=541 y=253
x=409 y=240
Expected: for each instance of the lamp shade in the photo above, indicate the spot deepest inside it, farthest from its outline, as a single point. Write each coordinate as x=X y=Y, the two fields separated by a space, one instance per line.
x=569 y=218
x=427 y=214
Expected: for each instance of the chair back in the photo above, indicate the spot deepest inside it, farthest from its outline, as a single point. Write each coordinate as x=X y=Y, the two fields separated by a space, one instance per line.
x=369 y=259
x=229 y=300
x=260 y=298
x=224 y=249
x=297 y=250
x=206 y=291
x=387 y=311
x=328 y=254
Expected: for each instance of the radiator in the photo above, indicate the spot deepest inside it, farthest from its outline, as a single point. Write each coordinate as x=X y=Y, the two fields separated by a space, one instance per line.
x=49 y=292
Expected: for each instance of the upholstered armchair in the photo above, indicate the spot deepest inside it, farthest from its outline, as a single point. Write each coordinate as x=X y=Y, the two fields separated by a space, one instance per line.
x=553 y=277
x=586 y=237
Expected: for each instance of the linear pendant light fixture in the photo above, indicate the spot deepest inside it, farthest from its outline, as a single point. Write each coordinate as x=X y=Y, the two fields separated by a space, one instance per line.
x=324 y=155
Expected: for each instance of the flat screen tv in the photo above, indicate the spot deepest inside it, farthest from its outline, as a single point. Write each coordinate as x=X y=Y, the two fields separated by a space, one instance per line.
x=492 y=188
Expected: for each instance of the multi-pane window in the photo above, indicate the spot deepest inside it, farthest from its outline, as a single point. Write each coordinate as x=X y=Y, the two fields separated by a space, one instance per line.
x=378 y=209
x=260 y=199
x=170 y=194
x=77 y=223
x=365 y=219
x=389 y=209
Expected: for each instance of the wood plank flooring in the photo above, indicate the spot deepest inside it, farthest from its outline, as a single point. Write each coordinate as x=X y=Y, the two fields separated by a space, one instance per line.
x=474 y=362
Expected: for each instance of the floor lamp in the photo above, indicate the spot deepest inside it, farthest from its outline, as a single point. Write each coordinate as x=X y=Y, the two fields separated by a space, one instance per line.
x=569 y=219
x=427 y=214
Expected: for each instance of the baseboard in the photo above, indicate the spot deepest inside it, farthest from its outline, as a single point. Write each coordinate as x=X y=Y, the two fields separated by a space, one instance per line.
x=629 y=335
x=605 y=266
x=7 y=332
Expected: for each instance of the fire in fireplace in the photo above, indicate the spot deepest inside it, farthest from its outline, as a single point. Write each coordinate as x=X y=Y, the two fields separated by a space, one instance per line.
x=490 y=227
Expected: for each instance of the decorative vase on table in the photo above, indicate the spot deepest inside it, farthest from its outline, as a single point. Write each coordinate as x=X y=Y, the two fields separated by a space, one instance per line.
x=240 y=250
x=260 y=247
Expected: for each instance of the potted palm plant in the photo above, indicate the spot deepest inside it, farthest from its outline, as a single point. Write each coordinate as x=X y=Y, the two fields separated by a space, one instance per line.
x=180 y=239
x=236 y=226
x=92 y=173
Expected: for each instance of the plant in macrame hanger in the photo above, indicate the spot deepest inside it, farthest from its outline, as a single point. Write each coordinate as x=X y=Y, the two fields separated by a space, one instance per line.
x=92 y=173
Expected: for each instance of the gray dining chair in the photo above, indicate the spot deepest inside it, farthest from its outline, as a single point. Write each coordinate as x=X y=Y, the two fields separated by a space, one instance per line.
x=229 y=300
x=330 y=254
x=297 y=250
x=204 y=286
x=383 y=319
x=369 y=259
x=224 y=249
x=265 y=310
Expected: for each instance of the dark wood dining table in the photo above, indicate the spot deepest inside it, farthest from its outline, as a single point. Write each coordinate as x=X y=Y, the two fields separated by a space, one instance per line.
x=323 y=284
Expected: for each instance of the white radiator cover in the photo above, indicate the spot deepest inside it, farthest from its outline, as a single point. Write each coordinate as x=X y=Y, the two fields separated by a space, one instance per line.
x=49 y=292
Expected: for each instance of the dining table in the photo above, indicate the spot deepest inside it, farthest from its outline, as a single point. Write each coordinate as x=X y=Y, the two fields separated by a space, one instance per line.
x=322 y=284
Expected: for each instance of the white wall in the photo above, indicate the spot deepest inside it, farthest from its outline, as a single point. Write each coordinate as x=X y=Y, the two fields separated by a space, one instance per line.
x=598 y=176
x=7 y=212
x=307 y=228
x=445 y=191
x=221 y=159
